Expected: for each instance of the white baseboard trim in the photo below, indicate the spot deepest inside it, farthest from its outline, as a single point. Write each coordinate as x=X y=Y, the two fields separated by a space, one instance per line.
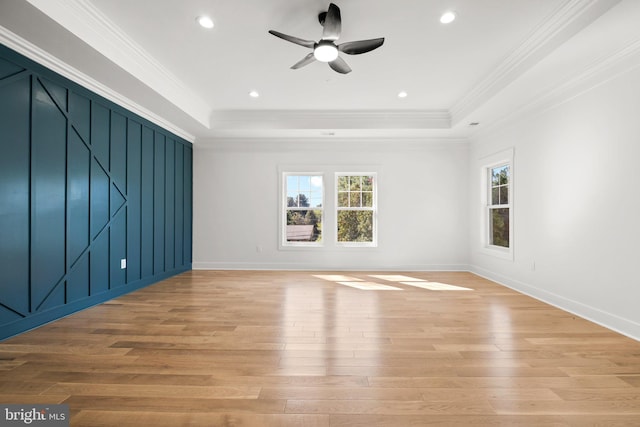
x=605 y=319
x=208 y=265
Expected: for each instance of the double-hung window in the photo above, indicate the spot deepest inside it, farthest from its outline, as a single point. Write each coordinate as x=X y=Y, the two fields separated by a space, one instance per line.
x=303 y=209
x=498 y=201
x=356 y=209
x=499 y=206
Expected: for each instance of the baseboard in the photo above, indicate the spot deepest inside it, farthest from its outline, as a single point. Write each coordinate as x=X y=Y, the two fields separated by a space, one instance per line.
x=608 y=320
x=208 y=265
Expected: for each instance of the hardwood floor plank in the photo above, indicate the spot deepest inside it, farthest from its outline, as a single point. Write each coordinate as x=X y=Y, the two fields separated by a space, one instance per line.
x=173 y=404
x=548 y=407
x=388 y=407
x=482 y=421
x=340 y=393
x=95 y=418
x=10 y=398
x=155 y=390
x=595 y=394
x=487 y=393
x=287 y=348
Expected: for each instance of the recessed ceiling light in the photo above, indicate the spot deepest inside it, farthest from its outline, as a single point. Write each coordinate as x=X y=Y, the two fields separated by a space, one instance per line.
x=402 y=94
x=205 y=21
x=254 y=94
x=448 y=17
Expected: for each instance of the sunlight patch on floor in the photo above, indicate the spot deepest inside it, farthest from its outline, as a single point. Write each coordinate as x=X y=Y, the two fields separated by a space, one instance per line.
x=370 y=286
x=414 y=282
x=337 y=278
x=395 y=278
x=436 y=286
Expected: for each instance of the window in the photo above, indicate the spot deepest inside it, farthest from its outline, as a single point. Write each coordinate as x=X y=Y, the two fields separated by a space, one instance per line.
x=497 y=200
x=303 y=210
x=499 y=206
x=356 y=209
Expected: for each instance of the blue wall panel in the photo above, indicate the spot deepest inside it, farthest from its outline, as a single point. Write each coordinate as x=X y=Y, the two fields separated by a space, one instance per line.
x=146 y=186
x=80 y=115
x=14 y=195
x=119 y=152
x=83 y=185
x=48 y=195
x=170 y=208
x=179 y=204
x=158 y=203
x=188 y=203
x=8 y=69
x=99 y=198
x=118 y=249
x=134 y=153
x=99 y=264
x=100 y=133
x=78 y=279
x=79 y=159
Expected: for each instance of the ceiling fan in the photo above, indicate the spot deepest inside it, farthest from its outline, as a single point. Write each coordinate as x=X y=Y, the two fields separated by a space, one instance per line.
x=326 y=49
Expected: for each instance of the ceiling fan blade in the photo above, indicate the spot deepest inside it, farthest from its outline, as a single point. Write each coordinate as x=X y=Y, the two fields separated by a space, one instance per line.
x=332 y=23
x=340 y=66
x=361 y=46
x=306 y=43
x=304 y=61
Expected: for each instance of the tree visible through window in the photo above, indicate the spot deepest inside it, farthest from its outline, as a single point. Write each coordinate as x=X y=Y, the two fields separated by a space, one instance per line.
x=499 y=205
x=356 y=209
x=304 y=206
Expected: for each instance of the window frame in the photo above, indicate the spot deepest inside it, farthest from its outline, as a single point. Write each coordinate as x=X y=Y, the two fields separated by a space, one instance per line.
x=374 y=209
x=503 y=158
x=284 y=209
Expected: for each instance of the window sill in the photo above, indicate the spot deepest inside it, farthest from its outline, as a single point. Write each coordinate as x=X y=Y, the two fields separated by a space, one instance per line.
x=498 y=252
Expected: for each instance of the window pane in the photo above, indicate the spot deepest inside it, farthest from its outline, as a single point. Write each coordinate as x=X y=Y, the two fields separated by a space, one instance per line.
x=499 y=233
x=367 y=183
x=504 y=175
x=495 y=177
x=343 y=183
x=355 y=183
x=367 y=200
x=304 y=225
x=303 y=201
x=343 y=200
x=304 y=183
x=495 y=196
x=292 y=186
x=316 y=201
x=354 y=200
x=504 y=195
x=355 y=226
x=500 y=175
x=316 y=183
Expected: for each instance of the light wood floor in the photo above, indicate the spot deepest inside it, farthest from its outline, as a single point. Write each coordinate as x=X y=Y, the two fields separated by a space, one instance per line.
x=295 y=349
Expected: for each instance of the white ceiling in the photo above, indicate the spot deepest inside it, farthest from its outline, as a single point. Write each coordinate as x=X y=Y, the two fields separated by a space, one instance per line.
x=197 y=81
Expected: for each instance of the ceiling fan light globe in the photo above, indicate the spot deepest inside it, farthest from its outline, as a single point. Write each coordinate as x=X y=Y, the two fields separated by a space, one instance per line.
x=325 y=52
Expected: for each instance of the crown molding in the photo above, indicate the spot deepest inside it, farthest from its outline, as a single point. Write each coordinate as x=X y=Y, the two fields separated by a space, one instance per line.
x=567 y=20
x=84 y=20
x=596 y=74
x=323 y=119
x=331 y=144
x=31 y=51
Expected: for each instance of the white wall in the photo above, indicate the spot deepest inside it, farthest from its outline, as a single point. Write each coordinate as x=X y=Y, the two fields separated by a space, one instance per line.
x=422 y=202
x=576 y=204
